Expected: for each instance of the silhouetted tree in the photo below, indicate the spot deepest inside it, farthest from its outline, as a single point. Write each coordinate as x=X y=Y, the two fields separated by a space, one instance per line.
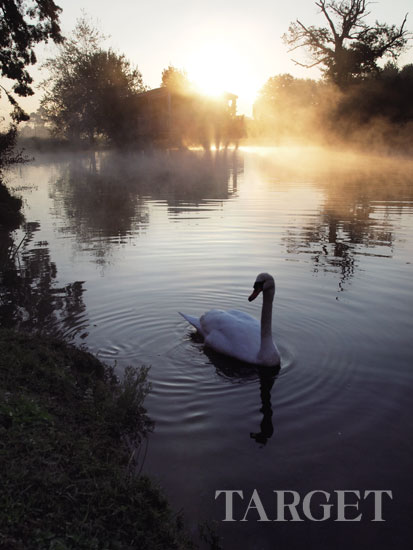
x=175 y=79
x=387 y=96
x=347 y=47
x=23 y=24
x=10 y=205
x=91 y=91
x=289 y=108
x=376 y=110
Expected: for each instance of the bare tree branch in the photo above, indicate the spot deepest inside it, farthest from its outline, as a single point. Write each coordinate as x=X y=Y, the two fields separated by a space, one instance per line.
x=322 y=6
x=347 y=47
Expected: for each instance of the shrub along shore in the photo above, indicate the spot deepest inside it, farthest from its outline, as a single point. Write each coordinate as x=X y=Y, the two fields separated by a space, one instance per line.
x=10 y=209
x=70 y=433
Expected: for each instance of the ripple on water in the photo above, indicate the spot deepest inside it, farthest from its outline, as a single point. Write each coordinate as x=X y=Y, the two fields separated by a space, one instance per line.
x=307 y=385
x=316 y=380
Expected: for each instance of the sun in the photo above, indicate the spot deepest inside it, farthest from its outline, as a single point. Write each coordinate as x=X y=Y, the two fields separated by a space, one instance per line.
x=215 y=67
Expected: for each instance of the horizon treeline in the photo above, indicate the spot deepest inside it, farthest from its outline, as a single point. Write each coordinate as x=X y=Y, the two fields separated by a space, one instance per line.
x=93 y=94
x=376 y=111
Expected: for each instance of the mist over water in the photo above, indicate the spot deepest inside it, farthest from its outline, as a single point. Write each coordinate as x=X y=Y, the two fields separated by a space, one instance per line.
x=118 y=244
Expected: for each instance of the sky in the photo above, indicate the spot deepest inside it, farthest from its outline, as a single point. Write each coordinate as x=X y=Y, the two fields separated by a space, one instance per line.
x=232 y=45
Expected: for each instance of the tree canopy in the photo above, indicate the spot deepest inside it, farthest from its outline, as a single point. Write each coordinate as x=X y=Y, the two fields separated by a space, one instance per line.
x=175 y=79
x=23 y=24
x=290 y=108
x=347 y=47
x=374 y=111
x=90 y=91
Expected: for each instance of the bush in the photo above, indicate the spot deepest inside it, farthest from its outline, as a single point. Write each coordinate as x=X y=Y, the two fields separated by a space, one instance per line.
x=68 y=428
x=10 y=206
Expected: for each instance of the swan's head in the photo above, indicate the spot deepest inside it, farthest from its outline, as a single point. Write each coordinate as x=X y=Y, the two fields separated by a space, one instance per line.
x=264 y=282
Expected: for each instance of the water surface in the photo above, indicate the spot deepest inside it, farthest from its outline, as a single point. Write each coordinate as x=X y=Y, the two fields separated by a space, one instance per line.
x=118 y=244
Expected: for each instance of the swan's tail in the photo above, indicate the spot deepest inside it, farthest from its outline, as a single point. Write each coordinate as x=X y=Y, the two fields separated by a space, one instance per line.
x=194 y=321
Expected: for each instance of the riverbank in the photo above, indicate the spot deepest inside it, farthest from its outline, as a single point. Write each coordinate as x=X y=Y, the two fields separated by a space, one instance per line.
x=70 y=433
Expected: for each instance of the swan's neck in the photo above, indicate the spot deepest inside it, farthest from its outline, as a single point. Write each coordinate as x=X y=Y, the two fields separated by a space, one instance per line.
x=266 y=317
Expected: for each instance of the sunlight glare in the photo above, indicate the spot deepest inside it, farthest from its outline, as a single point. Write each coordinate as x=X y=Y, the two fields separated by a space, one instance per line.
x=215 y=68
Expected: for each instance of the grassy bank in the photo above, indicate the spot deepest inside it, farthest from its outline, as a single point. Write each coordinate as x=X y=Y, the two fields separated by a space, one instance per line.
x=66 y=478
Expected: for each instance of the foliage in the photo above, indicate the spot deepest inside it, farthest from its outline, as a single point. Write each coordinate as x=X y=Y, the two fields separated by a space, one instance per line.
x=175 y=79
x=288 y=107
x=10 y=206
x=90 y=91
x=387 y=96
x=209 y=534
x=373 y=111
x=8 y=154
x=23 y=24
x=347 y=47
x=286 y=89
x=67 y=471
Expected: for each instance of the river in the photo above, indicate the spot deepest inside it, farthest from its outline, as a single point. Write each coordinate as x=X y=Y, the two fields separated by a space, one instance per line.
x=116 y=245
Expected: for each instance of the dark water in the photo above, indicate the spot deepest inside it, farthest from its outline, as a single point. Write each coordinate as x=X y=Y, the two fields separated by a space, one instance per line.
x=116 y=246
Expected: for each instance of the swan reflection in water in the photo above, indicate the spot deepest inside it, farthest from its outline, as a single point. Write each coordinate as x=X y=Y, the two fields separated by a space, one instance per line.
x=241 y=373
x=267 y=378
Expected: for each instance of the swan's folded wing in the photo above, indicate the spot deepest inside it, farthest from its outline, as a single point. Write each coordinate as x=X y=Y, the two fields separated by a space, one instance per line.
x=218 y=319
x=232 y=334
x=243 y=316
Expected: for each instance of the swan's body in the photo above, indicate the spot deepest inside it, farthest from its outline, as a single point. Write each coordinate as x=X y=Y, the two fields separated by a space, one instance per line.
x=237 y=334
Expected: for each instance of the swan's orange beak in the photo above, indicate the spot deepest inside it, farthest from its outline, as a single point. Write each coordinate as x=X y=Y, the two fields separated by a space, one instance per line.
x=254 y=294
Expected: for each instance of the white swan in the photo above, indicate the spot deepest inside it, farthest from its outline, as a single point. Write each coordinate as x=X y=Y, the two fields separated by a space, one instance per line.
x=239 y=335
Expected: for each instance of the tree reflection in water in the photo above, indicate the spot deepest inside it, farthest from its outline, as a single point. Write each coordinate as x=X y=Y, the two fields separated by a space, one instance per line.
x=95 y=207
x=30 y=298
x=104 y=199
x=361 y=195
